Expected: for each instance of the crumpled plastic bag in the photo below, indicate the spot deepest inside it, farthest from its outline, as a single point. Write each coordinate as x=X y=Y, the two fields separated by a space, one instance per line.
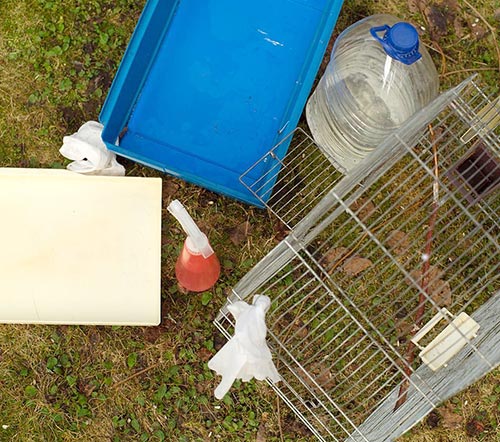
x=246 y=355
x=89 y=153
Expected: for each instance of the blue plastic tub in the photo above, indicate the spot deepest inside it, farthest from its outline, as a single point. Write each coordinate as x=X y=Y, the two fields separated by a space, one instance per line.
x=206 y=88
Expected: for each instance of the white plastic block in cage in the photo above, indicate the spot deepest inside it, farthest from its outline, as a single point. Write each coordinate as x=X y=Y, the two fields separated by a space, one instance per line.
x=447 y=343
x=349 y=287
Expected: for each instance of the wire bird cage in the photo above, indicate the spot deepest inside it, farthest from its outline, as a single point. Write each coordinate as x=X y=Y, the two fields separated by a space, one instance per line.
x=385 y=293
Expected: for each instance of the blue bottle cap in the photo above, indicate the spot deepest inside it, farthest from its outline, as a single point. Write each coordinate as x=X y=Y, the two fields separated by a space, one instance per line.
x=399 y=41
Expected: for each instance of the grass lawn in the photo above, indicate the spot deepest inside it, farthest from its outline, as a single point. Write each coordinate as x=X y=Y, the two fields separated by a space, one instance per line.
x=69 y=383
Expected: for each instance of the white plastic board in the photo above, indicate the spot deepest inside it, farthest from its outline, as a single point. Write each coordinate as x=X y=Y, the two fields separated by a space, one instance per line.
x=79 y=249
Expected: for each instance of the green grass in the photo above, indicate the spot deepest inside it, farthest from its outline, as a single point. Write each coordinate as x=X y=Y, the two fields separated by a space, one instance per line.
x=62 y=383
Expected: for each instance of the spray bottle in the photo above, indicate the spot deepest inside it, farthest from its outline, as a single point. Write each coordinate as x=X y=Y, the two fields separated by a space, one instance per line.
x=197 y=268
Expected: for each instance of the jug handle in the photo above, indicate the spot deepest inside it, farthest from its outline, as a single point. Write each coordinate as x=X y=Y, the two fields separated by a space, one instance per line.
x=374 y=31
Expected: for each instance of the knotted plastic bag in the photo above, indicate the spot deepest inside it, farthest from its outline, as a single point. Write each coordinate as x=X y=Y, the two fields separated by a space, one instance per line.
x=89 y=153
x=246 y=355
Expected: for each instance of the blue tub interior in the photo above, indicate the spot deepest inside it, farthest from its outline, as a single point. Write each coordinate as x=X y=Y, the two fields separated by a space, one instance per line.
x=205 y=89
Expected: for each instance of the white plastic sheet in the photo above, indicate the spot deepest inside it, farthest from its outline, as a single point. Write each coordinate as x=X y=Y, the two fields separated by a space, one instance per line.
x=79 y=249
x=246 y=355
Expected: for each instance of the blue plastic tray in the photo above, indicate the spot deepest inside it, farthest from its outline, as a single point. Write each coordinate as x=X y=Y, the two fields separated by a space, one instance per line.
x=206 y=88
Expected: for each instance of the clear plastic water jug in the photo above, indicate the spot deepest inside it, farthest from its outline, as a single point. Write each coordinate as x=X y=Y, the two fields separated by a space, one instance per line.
x=378 y=76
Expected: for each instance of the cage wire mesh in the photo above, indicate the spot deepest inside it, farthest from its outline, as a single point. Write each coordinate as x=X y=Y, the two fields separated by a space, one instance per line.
x=409 y=238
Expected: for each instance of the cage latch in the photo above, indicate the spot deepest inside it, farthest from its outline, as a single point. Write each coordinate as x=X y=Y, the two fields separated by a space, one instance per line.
x=449 y=342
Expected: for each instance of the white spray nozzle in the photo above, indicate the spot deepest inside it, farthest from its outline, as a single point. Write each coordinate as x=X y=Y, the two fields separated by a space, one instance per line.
x=197 y=240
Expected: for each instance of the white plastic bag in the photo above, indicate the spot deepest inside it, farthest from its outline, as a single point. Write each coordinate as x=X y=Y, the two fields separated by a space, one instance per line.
x=89 y=153
x=246 y=355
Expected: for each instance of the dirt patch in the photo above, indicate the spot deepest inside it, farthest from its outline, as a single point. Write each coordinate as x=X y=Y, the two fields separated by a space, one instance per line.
x=281 y=231
x=204 y=354
x=363 y=209
x=437 y=288
x=239 y=233
x=355 y=265
x=398 y=241
x=450 y=418
x=169 y=188
x=474 y=428
x=433 y=419
x=333 y=257
x=478 y=31
x=441 y=17
x=262 y=431
x=72 y=117
x=206 y=198
x=152 y=334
